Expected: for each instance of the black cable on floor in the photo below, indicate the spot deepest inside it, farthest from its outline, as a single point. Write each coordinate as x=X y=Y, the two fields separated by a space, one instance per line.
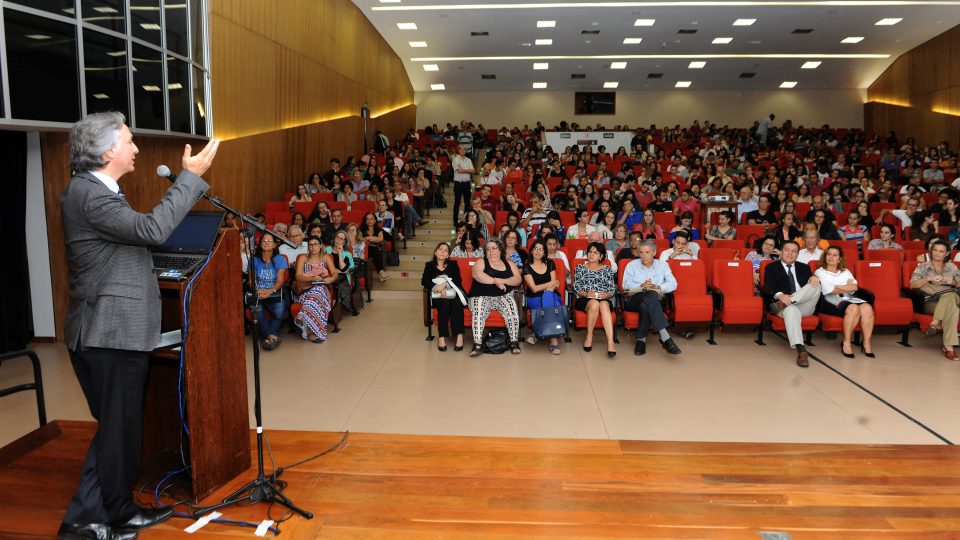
x=875 y=396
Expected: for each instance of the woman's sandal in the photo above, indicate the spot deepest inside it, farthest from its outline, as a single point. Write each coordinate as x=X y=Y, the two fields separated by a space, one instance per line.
x=515 y=347
x=477 y=350
x=554 y=349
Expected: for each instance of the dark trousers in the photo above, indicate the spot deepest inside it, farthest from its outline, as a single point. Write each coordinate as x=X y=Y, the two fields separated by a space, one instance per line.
x=449 y=316
x=647 y=305
x=375 y=252
x=113 y=382
x=461 y=190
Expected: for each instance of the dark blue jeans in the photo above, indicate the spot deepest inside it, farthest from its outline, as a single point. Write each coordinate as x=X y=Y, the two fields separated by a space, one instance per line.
x=277 y=309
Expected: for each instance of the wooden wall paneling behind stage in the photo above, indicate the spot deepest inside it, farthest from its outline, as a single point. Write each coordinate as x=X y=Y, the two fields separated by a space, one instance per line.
x=921 y=81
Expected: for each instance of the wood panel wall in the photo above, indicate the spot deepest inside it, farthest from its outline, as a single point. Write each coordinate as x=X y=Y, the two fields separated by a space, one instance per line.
x=277 y=65
x=920 y=85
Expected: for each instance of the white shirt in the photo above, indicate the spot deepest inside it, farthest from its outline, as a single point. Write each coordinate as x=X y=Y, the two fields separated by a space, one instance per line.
x=108 y=181
x=830 y=280
x=291 y=253
x=461 y=162
x=581 y=254
x=905 y=220
x=806 y=256
x=666 y=254
x=764 y=126
x=574 y=230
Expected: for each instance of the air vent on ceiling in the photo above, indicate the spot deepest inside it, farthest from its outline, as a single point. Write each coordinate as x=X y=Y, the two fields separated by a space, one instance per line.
x=578 y=75
x=654 y=75
x=747 y=75
x=802 y=31
x=687 y=31
x=488 y=76
x=479 y=34
x=589 y=32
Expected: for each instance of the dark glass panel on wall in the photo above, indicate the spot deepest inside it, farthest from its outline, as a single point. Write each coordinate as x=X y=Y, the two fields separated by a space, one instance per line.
x=105 y=72
x=105 y=13
x=42 y=66
x=176 y=23
x=60 y=7
x=145 y=20
x=199 y=103
x=148 y=88
x=196 y=30
x=178 y=88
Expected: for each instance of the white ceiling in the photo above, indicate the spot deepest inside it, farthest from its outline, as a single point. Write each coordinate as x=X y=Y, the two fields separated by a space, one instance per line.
x=513 y=29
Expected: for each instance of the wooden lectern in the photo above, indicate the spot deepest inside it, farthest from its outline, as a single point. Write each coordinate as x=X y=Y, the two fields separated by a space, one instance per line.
x=214 y=382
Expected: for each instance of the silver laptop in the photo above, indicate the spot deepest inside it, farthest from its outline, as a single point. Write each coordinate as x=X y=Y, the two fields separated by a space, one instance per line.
x=188 y=246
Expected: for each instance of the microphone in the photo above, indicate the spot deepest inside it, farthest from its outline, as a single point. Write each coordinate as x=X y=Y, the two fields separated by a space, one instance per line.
x=165 y=172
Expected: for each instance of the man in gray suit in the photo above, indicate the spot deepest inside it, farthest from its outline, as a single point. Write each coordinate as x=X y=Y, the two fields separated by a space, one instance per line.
x=114 y=317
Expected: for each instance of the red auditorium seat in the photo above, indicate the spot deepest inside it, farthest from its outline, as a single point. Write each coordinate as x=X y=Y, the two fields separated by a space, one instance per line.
x=882 y=278
x=892 y=255
x=736 y=303
x=692 y=305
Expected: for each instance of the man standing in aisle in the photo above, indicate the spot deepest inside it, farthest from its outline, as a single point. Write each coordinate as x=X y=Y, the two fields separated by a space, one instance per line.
x=114 y=317
x=462 y=180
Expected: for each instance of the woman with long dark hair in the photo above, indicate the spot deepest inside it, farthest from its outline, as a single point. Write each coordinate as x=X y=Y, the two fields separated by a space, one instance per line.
x=540 y=277
x=269 y=276
x=315 y=270
x=839 y=289
x=441 y=277
x=373 y=236
x=595 y=285
x=494 y=278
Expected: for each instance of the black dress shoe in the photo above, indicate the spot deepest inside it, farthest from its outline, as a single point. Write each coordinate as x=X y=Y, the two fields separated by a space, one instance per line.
x=146 y=517
x=670 y=346
x=92 y=531
x=640 y=348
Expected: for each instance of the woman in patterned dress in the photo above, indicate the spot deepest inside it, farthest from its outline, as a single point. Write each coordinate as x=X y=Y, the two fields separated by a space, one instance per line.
x=595 y=284
x=315 y=270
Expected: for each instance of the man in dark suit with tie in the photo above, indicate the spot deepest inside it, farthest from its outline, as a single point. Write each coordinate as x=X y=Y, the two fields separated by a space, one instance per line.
x=793 y=292
x=114 y=317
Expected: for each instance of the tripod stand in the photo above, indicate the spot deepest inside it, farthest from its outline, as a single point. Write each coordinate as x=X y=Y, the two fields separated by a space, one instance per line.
x=262 y=488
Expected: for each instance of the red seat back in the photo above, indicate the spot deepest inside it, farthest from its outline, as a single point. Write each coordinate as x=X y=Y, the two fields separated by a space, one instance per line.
x=733 y=278
x=466 y=269
x=711 y=254
x=849 y=247
x=691 y=277
x=881 y=277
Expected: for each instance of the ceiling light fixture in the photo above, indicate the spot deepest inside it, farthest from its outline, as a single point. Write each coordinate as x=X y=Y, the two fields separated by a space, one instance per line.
x=546 y=41
x=101 y=96
x=722 y=40
x=418 y=43
x=890 y=21
x=810 y=65
x=151 y=88
x=802 y=56
x=618 y=65
x=788 y=84
x=856 y=39
x=407 y=25
x=541 y=65
x=38 y=37
x=389 y=2
x=644 y=22
x=744 y=22
x=632 y=41
x=683 y=84
x=611 y=84
x=104 y=9
x=150 y=26
x=546 y=24
x=697 y=64
x=437 y=87
x=431 y=67
x=539 y=85
x=663 y=3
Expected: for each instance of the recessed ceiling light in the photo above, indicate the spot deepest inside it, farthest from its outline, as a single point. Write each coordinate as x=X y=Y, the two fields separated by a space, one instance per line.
x=722 y=40
x=108 y=9
x=788 y=84
x=116 y=53
x=101 y=96
x=744 y=22
x=810 y=65
x=697 y=64
x=644 y=22
x=437 y=87
x=431 y=67
x=150 y=26
x=539 y=85
x=39 y=37
x=683 y=84
x=632 y=40
x=546 y=41
x=546 y=24
x=890 y=21
x=407 y=25
x=174 y=86
x=618 y=65
x=151 y=88
x=611 y=84
x=857 y=39
x=389 y=1
x=541 y=65
x=418 y=43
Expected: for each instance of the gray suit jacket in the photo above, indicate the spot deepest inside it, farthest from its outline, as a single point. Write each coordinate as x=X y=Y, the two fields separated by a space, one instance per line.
x=114 y=296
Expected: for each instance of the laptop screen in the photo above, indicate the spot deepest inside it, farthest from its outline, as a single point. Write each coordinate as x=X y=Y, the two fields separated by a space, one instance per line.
x=195 y=235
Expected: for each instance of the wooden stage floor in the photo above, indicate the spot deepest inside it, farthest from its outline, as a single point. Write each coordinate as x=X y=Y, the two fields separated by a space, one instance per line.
x=406 y=486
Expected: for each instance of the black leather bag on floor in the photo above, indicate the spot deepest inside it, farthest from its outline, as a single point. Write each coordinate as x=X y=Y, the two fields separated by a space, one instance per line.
x=497 y=341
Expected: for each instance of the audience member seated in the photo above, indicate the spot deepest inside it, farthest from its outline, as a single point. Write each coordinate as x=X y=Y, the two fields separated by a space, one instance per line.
x=765 y=249
x=302 y=196
x=925 y=257
x=683 y=248
x=746 y=203
x=477 y=206
x=811 y=247
x=619 y=241
x=535 y=215
x=786 y=229
x=763 y=215
x=540 y=278
x=939 y=277
x=347 y=283
x=610 y=255
x=595 y=285
x=336 y=224
x=905 y=215
x=294 y=235
x=475 y=223
x=793 y=292
x=630 y=216
x=662 y=202
x=297 y=219
x=685 y=223
x=441 y=277
x=825 y=227
x=854 y=230
x=270 y=275
x=374 y=240
x=582 y=228
x=347 y=195
x=645 y=281
x=512 y=249
x=924 y=226
x=887 y=238
x=494 y=278
x=315 y=270
x=842 y=298
x=468 y=247
x=513 y=221
x=687 y=202
x=386 y=220
x=648 y=227
x=723 y=230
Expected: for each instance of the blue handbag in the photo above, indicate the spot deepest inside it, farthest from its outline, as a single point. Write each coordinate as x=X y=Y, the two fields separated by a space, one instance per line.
x=551 y=318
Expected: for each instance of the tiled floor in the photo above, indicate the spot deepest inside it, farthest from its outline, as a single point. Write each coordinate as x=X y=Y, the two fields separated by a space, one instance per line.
x=379 y=375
